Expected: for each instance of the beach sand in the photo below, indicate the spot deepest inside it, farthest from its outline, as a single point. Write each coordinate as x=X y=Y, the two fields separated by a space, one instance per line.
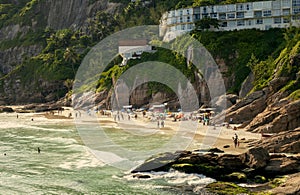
x=202 y=135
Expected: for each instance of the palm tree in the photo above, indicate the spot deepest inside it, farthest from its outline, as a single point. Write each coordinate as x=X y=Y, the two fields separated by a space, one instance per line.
x=71 y=56
x=69 y=84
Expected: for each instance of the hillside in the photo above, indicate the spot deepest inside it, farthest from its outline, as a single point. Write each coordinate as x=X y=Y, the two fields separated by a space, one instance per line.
x=41 y=50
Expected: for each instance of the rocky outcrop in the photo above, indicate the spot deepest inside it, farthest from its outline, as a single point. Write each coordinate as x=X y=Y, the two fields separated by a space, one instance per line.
x=247 y=86
x=282 y=116
x=12 y=57
x=256 y=157
x=74 y=13
x=246 y=109
x=283 y=165
x=6 y=109
x=290 y=186
x=255 y=165
x=283 y=142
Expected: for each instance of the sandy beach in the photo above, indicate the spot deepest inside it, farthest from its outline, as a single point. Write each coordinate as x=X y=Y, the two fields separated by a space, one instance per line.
x=217 y=137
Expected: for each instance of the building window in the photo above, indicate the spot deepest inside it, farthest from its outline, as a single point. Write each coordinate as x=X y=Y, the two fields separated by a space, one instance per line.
x=183 y=27
x=212 y=9
x=197 y=16
x=188 y=12
x=180 y=20
x=258 y=14
x=296 y=2
x=267 y=13
x=286 y=12
x=296 y=10
x=213 y=15
x=286 y=3
x=277 y=20
x=259 y=21
x=222 y=16
x=231 y=16
x=286 y=20
x=204 y=10
x=181 y=13
x=240 y=15
x=240 y=7
x=248 y=7
x=296 y=17
x=190 y=26
x=249 y=23
x=240 y=23
x=188 y=19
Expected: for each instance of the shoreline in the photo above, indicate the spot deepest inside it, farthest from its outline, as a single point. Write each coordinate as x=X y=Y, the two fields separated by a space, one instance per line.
x=222 y=137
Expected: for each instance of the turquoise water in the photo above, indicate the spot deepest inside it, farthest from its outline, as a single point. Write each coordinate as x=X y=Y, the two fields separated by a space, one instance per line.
x=66 y=166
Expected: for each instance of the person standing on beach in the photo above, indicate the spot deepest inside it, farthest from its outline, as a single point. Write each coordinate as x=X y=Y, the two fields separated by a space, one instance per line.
x=39 y=150
x=235 y=140
x=162 y=123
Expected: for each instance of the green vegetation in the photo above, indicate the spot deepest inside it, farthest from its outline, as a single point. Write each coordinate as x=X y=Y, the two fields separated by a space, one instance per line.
x=262 y=52
x=286 y=64
x=225 y=188
x=240 y=49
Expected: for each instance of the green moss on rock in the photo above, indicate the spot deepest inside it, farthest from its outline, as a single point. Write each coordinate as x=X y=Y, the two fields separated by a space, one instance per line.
x=226 y=188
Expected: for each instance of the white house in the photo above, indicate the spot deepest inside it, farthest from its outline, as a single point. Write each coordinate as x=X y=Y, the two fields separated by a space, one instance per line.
x=133 y=49
x=261 y=15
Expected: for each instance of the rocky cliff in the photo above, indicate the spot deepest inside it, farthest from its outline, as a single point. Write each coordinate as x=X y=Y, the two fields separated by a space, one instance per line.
x=22 y=37
x=275 y=107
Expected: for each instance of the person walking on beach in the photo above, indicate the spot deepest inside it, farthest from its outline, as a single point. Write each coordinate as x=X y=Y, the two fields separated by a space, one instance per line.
x=39 y=150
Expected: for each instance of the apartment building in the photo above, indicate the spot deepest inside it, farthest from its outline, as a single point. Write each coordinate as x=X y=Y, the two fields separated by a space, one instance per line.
x=261 y=15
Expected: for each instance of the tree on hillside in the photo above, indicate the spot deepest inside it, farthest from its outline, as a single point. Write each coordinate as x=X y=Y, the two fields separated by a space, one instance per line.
x=71 y=56
x=207 y=23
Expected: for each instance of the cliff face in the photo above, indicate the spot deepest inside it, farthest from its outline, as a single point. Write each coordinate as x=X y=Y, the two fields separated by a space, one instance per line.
x=18 y=44
x=275 y=107
x=74 y=13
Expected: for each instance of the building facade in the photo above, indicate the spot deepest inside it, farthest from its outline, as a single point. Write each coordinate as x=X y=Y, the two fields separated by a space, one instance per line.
x=261 y=15
x=133 y=49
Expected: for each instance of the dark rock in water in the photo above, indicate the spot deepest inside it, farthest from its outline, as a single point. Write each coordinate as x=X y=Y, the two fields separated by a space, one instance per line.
x=255 y=157
x=6 y=109
x=209 y=170
x=161 y=162
x=141 y=176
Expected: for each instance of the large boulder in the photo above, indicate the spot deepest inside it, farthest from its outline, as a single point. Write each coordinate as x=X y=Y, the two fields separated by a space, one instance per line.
x=256 y=157
x=160 y=162
x=231 y=162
